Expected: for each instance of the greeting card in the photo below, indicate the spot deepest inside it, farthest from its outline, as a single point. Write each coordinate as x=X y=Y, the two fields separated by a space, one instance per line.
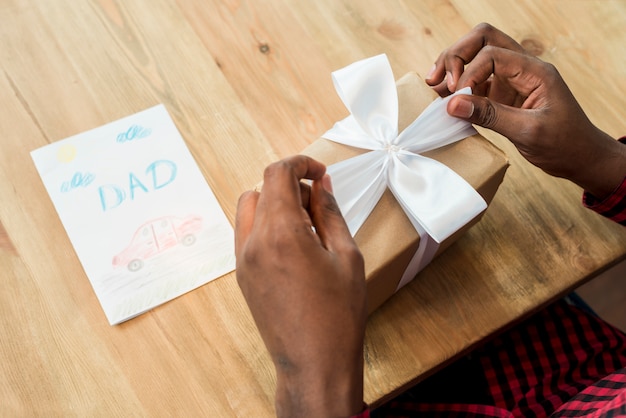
x=143 y=221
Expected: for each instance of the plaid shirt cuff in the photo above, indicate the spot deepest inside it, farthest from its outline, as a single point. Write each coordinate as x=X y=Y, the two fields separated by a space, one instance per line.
x=613 y=206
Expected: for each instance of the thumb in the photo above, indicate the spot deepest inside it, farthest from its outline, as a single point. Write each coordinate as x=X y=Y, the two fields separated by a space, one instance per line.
x=481 y=111
x=326 y=216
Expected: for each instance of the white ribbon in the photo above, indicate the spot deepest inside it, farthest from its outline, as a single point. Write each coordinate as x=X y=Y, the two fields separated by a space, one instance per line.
x=436 y=199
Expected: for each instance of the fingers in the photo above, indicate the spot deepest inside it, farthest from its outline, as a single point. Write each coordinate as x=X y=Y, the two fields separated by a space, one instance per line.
x=521 y=72
x=283 y=195
x=327 y=218
x=305 y=195
x=305 y=192
x=244 y=220
x=281 y=184
x=449 y=66
x=518 y=76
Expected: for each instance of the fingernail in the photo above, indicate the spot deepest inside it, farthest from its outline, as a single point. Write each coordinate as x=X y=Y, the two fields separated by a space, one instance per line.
x=462 y=108
x=327 y=183
x=431 y=72
x=450 y=81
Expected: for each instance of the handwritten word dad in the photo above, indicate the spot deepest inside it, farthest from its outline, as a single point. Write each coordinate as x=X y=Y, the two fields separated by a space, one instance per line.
x=157 y=175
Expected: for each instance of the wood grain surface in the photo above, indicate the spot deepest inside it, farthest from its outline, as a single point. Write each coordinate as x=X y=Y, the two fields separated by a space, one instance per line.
x=248 y=82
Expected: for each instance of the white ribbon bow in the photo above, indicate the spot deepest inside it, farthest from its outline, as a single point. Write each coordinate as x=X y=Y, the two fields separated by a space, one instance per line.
x=436 y=199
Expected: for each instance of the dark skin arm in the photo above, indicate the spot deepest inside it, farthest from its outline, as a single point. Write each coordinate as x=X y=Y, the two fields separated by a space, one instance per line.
x=527 y=101
x=305 y=289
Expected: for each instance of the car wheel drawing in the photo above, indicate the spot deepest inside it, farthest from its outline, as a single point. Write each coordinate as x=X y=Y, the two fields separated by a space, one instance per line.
x=188 y=240
x=135 y=265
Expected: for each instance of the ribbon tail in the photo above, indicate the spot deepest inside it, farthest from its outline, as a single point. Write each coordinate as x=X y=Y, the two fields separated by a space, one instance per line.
x=358 y=184
x=425 y=253
x=432 y=195
x=436 y=214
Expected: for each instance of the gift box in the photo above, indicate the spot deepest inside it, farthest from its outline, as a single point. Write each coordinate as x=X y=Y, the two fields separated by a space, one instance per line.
x=387 y=239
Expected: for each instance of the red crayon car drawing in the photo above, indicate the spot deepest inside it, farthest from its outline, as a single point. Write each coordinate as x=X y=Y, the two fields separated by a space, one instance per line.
x=156 y=236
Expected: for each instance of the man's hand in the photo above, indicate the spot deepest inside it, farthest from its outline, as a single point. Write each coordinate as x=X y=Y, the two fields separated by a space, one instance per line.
x=302 y=276
x=526 y=100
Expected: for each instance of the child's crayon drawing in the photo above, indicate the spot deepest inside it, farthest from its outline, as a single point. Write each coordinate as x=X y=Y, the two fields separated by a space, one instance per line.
x=157 y=236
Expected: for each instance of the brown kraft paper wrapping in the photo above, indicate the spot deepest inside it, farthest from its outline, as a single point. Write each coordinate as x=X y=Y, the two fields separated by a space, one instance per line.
x=387 y=240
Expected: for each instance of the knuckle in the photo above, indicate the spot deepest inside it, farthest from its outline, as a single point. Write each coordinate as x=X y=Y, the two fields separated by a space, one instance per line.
x=249 y=256
x=245 y=196
x=275 y=168
x=550 y=68
x=489 y=50
x=551 y=72
x=354 y=255
x=245 y=260
x=484 y=28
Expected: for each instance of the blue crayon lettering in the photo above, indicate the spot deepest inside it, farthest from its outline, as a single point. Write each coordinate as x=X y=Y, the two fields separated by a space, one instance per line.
x=163 y=173
x=159 y=174
x=111 y=196
x=133 y=183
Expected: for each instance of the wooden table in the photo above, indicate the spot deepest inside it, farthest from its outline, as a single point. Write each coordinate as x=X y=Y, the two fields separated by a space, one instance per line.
x=248 y=82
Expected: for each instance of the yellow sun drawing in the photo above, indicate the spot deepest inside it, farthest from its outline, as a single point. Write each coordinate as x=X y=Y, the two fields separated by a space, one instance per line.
x=66 y=153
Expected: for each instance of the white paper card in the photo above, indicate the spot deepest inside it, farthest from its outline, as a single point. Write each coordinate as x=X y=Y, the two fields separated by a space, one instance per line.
x=143 y=221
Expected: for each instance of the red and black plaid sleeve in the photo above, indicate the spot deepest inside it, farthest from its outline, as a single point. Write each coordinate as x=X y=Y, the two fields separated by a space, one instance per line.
x=605 y=398
x=613 y=206
x=532 y=370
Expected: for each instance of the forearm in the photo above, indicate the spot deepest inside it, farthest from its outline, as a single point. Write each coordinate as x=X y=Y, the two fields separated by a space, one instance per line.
x=605 y=169
x=313 y=391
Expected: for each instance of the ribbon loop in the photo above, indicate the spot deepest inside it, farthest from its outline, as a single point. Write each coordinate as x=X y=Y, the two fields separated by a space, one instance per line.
x=374 y=109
